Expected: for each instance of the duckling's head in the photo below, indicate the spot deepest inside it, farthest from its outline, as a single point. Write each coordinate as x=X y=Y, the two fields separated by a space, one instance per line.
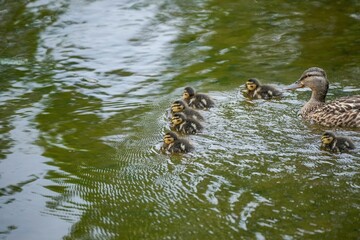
x=252 y=84
x=327 y=138
x=313 y=78
x=178 y=106
x=178 y=118
x=170 y=137
x=188 y=92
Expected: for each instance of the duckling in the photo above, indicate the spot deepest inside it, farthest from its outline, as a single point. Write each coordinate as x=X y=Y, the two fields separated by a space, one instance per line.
x=174 y=144
x=329 y=141
x=181 y=106
x=255 y=90
x=185 y=125
x=342 y=112
x=197 y=100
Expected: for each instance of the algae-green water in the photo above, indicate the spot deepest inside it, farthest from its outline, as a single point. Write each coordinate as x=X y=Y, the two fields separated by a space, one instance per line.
x=85 y=87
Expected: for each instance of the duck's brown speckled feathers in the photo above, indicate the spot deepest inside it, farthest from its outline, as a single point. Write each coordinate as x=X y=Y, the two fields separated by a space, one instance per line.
x=197 y=100
x=181 y=106
x=182 y=124
x=342 y=112
x=255 y=90
x=174 y=144
x=331 y=142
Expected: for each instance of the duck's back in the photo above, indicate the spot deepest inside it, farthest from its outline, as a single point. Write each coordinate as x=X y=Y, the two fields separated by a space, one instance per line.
x=342 y=112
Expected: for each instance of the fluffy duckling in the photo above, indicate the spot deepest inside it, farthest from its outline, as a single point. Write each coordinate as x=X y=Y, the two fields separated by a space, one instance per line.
x=197 y=100
x=329 y=141
x=181 y=106
x=342 y=112
x=185 y=125
x=174 y=144
x=255 y=90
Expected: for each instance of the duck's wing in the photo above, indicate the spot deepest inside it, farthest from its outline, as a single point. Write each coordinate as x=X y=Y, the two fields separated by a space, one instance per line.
x=342 y=112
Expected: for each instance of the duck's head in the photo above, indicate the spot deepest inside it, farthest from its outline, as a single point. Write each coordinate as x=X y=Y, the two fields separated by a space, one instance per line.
x=178 y=118
x=313 y=78
x=178 y=106
x=188 y=93
x=170 y=137
x=327 y=138
x=252 y=84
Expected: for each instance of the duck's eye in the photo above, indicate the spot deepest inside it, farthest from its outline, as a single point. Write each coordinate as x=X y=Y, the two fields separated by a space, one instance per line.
x=300 y=82
x=186 y=95
x=303 y=77
x=310 y=75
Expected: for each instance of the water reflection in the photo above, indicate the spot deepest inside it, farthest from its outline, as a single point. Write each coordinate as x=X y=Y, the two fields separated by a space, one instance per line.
x=85 y=92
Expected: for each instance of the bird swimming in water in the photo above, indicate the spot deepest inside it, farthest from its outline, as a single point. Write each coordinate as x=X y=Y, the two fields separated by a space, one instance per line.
x=197 y=100
x=174 y=144
x=255 y=90
x=182 y=124
x=342 y=112
x=329 y=141
x=181 y=106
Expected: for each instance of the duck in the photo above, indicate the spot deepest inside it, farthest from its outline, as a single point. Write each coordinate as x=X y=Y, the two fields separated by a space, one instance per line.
x=182 y=124
x=174 y=144
x=255 y=90
x=342 y=112
x=329 y=141
x=181 y=106
x=197 y=100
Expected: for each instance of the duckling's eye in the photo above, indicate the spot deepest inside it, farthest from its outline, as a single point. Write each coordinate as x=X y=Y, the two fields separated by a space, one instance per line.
x=177 y=107
x=250 y=85
x=326 y=139
x=168 y=139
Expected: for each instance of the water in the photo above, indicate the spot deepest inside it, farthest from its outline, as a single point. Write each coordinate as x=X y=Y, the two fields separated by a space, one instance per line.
x=85 y=86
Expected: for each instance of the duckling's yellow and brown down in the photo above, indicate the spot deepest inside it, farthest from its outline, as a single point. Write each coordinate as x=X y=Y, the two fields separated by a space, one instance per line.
x=197 y=100
x=181 y=106
x=182 y=124
x=255 y=90
x=329 y=141
x=174 y=144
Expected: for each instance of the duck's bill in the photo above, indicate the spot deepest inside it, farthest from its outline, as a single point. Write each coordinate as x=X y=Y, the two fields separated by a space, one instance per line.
x=294 y=86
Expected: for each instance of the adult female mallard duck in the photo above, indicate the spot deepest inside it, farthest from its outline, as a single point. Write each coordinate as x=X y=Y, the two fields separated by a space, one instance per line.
x=174 y=144
x=181 y=106
x=329 y=141
x=197 y=100
x=255 y=90
x=342 y=112
x=185 y=125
